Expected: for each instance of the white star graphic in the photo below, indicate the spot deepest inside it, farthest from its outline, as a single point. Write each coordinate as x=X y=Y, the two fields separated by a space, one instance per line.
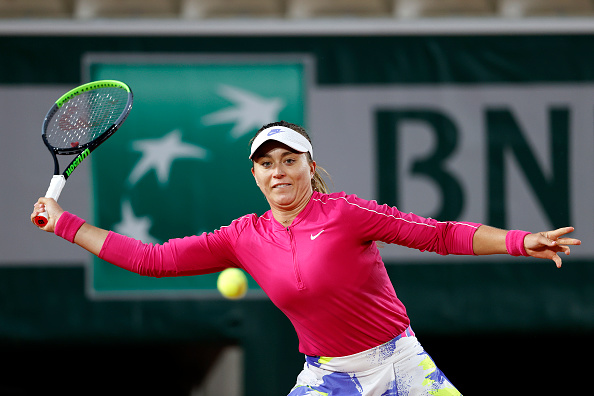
x=134 y=227
x=159 y=154
x=250 y=111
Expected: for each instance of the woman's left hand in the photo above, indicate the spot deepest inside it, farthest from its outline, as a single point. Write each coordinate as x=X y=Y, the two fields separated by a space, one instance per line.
x=548 y=244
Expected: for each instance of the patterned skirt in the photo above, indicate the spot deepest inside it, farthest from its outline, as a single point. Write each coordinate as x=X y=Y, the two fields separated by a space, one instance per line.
x=400 y=367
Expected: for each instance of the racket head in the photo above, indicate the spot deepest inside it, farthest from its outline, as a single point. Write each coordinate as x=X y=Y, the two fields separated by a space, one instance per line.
x=85 y=116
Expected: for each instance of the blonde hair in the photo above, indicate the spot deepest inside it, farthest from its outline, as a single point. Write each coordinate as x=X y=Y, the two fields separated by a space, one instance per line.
x=317 y=182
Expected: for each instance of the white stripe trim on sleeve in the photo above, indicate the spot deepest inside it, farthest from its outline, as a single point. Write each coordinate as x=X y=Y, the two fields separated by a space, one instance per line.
x=392 y=216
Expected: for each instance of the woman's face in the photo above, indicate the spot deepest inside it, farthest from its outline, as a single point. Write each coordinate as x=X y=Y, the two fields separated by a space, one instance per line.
x=283 y=175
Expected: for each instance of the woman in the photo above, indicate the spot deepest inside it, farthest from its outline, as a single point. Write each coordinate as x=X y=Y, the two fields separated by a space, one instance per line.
x=315 y=256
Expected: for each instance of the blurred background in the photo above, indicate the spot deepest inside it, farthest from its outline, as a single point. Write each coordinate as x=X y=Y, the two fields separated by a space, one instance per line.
x=476 y=110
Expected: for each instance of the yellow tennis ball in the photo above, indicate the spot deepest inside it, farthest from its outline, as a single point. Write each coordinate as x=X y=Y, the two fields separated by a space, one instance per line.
x=232 y=283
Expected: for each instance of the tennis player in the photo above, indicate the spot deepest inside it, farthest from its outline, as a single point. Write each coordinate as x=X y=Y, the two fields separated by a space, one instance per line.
x=315 y=255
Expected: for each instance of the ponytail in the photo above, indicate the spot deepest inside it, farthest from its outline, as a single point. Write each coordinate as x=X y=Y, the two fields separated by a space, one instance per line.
x=318 y=183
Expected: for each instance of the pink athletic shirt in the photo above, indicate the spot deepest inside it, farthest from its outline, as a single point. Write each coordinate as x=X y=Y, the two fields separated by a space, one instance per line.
x=324 y=271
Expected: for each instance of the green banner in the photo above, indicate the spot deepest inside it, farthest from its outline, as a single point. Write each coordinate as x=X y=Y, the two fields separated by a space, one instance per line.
x=179 y=165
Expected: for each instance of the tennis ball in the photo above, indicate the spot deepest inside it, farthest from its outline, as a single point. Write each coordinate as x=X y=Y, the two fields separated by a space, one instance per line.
x=232 y=283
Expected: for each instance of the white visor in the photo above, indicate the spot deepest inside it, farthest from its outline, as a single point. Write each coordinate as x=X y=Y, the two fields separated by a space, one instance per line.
x=286 y=136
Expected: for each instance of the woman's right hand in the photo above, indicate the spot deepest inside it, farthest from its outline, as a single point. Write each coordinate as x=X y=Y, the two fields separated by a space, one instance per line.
x=54 y=211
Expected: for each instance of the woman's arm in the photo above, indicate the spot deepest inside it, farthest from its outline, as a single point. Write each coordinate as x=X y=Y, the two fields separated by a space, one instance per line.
x=489 y=240
x=547 y=245
x=195 y=255
x=91 y=238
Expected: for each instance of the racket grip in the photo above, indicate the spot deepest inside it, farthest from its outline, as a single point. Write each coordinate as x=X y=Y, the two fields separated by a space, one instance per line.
x=55 y=188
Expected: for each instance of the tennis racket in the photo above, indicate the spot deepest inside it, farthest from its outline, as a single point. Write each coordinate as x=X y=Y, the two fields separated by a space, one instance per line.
x=78 y=122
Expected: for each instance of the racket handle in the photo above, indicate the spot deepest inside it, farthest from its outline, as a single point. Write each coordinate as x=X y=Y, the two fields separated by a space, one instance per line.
x=55 y=188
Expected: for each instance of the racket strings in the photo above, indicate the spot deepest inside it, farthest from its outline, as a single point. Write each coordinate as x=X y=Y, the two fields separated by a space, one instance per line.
x=86 y=117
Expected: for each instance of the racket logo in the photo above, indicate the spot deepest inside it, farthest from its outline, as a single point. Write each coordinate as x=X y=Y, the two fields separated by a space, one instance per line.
x=77 y=161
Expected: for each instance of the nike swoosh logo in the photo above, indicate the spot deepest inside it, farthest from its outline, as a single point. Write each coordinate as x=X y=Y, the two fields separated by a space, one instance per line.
x=312 y=236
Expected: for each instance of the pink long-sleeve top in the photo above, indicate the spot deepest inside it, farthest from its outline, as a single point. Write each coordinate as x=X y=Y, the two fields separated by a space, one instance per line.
x=324 y=271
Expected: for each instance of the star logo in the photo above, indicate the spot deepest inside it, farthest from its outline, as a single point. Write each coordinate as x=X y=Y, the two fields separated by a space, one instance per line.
x=134 y=227
x=250 y=111
x=159 y=154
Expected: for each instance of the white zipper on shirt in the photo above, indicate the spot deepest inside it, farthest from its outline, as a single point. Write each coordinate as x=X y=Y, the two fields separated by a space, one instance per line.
x=300 y=285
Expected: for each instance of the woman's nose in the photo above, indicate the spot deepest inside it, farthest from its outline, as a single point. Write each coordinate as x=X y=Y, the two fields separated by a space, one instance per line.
x=278 y=171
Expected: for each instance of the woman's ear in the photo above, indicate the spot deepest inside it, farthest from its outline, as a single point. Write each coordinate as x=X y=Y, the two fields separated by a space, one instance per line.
x=254 y=174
